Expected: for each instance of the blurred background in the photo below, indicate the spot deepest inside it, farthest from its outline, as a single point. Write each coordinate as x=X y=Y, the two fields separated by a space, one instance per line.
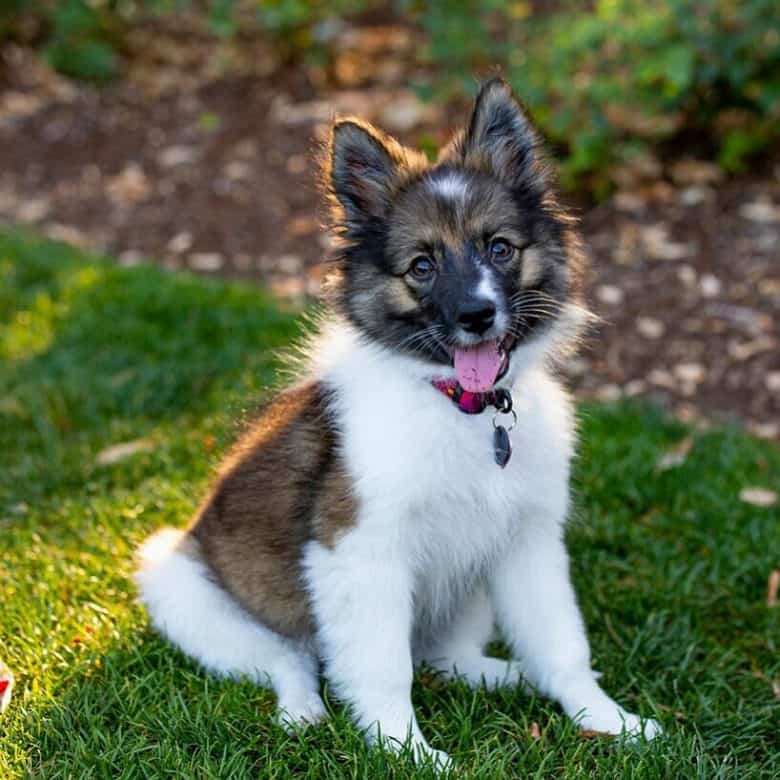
x=183 y=133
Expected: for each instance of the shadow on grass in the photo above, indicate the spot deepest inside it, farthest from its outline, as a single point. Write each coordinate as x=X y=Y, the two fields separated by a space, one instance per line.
x=144 y=710
x=94 y=352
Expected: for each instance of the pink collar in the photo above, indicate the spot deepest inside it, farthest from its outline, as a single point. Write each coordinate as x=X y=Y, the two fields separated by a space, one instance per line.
x=469 y=403
x=474 y=403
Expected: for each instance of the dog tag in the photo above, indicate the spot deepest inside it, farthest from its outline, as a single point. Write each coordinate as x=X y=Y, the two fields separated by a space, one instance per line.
x=502 y=447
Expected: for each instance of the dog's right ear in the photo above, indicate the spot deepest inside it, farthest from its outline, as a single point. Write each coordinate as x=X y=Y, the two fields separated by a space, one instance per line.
x=362 y=167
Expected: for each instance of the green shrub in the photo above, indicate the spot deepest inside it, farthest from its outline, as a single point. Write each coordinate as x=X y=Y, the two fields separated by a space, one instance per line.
x=607 y=83
x=636 y=73
x=81 y=42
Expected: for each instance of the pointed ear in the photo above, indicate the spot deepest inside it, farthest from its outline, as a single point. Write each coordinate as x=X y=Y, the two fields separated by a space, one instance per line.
x=362 y=167
x=501 y=137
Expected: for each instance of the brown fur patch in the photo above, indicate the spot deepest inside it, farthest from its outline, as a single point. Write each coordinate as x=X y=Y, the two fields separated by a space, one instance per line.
x=336 y=508
x=263 y=508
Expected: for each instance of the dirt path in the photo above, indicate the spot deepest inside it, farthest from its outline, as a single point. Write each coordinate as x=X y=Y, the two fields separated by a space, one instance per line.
x=210 y=168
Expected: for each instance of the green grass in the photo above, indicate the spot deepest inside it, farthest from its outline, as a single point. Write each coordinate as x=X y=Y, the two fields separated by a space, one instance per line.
x=671 y=566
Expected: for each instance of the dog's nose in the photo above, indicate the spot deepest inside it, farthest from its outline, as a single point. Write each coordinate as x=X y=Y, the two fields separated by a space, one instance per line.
x=477 y=316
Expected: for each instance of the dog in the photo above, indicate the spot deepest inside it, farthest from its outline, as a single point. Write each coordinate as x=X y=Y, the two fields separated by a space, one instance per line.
x=409 y=492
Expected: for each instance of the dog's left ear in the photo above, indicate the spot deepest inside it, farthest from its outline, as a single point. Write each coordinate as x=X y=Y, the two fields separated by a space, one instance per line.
x=501 y=137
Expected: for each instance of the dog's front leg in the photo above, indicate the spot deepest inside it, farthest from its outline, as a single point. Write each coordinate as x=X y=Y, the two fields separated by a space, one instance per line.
x=538 y=613
x=361 y=593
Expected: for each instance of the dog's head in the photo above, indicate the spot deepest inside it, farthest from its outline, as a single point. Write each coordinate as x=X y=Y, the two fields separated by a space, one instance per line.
x=467 y=261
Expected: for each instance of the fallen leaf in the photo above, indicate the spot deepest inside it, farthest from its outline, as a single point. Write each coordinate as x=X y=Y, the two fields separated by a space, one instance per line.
x=676 y=455
x=535 y=732
x=776 y=688
x=117 y=452
x=758 y=496
x=772 y=586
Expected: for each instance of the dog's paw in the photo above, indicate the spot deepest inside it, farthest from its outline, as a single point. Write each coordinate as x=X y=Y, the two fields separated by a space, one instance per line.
x=615 y=720
x=441 y=761
x=637 y=727
x=295 y=713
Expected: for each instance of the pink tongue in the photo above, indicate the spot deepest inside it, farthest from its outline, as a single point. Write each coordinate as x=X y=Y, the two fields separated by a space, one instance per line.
x=477 y=367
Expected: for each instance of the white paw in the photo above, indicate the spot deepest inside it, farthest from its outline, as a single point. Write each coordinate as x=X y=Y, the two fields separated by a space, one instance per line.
x=615 y=720
x=421 y=751
x=424 y=753
x=636 y=727
x=298 y=712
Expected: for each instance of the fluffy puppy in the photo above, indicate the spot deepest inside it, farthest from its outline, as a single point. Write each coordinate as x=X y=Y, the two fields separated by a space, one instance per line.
x=410 y=492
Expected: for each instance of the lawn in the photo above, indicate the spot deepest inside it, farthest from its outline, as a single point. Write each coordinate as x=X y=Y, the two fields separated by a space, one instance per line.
x=671 y=565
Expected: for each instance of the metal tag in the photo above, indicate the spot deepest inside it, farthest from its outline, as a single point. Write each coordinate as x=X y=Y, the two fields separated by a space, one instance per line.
x=502 y=447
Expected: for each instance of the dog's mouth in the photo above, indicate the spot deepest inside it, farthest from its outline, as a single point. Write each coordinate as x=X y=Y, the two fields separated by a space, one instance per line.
x=480 y=366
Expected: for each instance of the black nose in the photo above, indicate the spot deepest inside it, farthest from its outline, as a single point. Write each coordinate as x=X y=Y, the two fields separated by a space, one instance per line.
x=477 y=316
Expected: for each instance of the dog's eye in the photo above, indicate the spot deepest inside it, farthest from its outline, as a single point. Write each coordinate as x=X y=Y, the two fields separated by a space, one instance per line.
x=422 y=268
x=501 y=250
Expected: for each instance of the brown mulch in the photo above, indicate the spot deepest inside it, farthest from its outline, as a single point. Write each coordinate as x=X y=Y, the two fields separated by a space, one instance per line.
x=202 y=159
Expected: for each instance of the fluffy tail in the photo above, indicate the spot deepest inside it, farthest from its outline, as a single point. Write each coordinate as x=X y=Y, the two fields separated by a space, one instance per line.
x=186 y=604
x=191 y=610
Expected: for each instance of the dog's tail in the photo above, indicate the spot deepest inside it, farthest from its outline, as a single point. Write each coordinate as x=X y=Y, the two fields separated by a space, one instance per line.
x=188 y=606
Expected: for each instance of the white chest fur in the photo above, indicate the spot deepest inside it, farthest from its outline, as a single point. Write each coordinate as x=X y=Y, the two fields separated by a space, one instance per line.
x=437 y=518
x=425 y=473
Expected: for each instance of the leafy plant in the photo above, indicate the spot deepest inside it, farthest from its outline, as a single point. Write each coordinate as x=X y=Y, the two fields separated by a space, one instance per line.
x=605 y=84
x=81 y=40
